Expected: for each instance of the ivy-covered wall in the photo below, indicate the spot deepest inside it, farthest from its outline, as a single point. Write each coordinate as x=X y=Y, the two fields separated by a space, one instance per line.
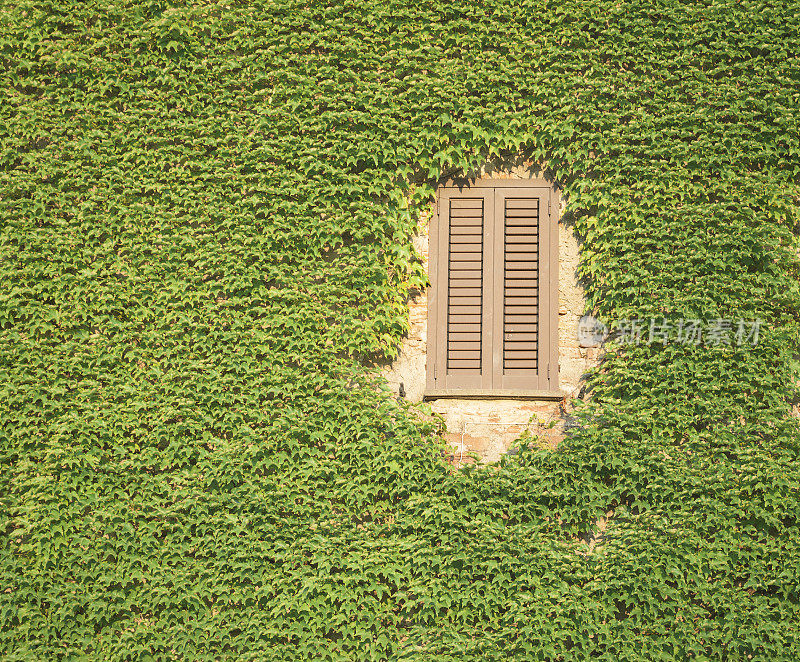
x=207 y=220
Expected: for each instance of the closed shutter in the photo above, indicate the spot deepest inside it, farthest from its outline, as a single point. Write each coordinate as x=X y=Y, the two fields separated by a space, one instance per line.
x=465 y=285
x=459 y=325
x=492 y=317
x=524 y=298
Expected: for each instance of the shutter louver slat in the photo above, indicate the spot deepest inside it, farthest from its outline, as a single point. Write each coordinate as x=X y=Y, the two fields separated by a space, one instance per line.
x=465 y=285
x=521 y=284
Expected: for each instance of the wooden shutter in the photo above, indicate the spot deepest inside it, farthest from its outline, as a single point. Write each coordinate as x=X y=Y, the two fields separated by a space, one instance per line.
x=492 y=316
x=459 y=305
x=523 y=293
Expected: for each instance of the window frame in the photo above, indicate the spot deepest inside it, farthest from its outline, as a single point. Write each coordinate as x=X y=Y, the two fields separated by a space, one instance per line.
x=492 y=382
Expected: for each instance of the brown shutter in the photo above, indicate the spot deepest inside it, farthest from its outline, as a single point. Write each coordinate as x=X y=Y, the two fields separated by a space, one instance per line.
x=465 y=285
x=522 y=356
x=491 y=307
x=461 y=301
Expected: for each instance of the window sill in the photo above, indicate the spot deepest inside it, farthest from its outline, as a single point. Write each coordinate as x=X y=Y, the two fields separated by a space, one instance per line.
x=479 y=394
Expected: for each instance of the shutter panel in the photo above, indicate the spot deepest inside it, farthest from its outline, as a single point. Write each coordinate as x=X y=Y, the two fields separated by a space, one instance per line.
x=523 y=290
x=492 y=321
x=457 y=318
x=465 y=286
x=521 y=284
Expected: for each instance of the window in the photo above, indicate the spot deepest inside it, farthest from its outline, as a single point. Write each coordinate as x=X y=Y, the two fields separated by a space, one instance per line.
x=493 y=304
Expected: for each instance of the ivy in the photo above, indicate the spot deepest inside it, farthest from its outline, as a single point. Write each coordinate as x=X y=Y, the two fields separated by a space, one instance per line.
x=207 y=213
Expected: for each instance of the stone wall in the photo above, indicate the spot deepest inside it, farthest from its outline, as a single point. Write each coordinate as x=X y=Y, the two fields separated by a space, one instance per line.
x=485 y=426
